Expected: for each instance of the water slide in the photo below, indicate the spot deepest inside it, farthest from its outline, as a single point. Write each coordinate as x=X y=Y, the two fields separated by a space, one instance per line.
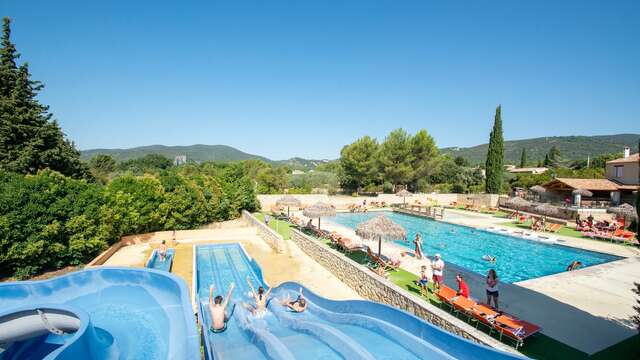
x=155 y=262
x=328 y=329
x=100 y=313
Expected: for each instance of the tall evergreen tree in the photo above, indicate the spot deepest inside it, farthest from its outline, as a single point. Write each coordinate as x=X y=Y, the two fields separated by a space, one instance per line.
x=553 y=157
x=29 y=139
x=523 y=158
x=495 y=156
x=638 y=195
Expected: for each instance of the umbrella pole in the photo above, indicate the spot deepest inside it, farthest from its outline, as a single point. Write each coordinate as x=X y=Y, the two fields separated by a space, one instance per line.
x=287 y=211
x=379 y=246
x=318 y=223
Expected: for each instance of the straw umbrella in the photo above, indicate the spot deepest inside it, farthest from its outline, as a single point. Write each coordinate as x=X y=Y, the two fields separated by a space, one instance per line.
x=319 y=210
x=625 y=210
x=404 y=194
x=288 y=201
x=517 y=203
x=538 y=190
x=547 y=209
x=582 y=192
x=380 y=228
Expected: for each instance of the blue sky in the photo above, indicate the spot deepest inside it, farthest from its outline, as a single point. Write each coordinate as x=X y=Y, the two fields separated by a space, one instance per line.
x=304 y=78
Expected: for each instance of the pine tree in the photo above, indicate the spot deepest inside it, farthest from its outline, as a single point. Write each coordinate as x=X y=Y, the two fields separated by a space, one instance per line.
x=546 y=160
x=29 y=139
x=523 y=158
x=495 y=156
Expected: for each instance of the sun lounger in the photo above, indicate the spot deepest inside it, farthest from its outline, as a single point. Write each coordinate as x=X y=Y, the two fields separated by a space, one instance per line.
x=515 y=329
x=446 y=295
x=463 y=305
x=553 y=228
x=377 y=261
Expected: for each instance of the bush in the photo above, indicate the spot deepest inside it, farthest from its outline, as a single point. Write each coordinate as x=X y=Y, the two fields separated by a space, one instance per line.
x=387 y=187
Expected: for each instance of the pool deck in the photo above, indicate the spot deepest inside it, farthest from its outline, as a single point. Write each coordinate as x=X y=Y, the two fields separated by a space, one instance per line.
x=588 y=309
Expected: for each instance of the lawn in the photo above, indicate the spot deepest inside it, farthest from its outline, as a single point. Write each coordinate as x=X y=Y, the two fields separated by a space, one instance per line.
x=538 y=346
x=280 y=226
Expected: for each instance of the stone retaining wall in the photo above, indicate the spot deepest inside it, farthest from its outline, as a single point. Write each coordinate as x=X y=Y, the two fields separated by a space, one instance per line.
x=271 y=237
x=374 y=288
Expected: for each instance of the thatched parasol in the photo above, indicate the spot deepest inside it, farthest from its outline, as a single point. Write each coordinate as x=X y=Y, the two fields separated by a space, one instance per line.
x=319 y=210
x=625 y=210
x=381 y=228
x=288 y=201
x=547 y=209
x=582 y=192
x=538 y=189
x=517 y=203
x=404 y=194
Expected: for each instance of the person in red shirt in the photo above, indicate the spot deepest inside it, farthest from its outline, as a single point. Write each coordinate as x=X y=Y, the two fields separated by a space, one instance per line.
x=463 y=288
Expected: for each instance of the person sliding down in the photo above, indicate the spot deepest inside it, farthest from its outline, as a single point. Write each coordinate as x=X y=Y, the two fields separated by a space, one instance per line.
x=218 y=307
x=162 y=252
x=260 y=297
x=299 y=305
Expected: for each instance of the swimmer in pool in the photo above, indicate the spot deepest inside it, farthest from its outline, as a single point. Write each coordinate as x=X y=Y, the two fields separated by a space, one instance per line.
x=489 y=258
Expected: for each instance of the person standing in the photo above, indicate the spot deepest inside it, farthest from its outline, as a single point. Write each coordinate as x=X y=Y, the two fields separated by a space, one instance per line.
x=492 y=288
x=418 y=244
x=438 y=272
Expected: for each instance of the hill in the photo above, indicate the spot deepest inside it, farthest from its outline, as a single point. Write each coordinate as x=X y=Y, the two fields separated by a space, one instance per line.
x=199 y=153
x=571 y=147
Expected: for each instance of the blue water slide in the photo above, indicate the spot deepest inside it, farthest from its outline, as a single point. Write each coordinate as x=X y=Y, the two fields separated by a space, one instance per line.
x=155 y=261
x=98 y=313
x=328 y=329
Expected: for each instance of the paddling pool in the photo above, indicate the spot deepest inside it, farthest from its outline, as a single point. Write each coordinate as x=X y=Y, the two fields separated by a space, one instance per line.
x=106 y=313
x=517 y=259
x=329 y=329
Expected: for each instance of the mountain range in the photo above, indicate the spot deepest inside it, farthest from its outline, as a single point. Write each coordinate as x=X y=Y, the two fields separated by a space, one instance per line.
x=199 y=153
x=571 y=148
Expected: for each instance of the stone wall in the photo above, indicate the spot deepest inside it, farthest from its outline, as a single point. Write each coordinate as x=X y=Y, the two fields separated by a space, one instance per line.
x=271 y=237
x=343 y=201
x=374 y=288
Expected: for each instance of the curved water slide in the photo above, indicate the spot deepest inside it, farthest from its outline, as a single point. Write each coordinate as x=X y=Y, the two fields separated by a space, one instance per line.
x=328 y=329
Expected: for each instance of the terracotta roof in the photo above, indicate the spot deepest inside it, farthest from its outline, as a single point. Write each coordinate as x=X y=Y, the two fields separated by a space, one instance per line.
x=587 y=184
x=631 y=158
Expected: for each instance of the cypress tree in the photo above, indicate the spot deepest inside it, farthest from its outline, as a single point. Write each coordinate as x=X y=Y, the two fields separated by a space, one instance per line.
x=523 y=158
x=638 y=195
x=495 y=156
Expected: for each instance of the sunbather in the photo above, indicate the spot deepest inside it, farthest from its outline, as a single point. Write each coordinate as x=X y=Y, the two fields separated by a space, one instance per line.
x=298 y=305
x=217 y=308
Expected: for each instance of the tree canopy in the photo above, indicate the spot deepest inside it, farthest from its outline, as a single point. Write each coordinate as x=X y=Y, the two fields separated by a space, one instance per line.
x=30 y=139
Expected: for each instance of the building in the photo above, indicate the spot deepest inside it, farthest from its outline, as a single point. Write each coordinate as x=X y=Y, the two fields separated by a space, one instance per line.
x=180 y=160
x=625 y=172
x=528 y=170
x=622 y=179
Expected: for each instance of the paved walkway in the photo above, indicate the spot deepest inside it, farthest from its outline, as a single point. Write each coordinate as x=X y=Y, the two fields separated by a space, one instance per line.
x=587 y=309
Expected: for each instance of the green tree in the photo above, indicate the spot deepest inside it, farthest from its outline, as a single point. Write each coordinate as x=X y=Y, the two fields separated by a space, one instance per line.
x=553 y=157
x=460 y=161
x=147 y=163
x=396 y=158
x=101 y=166
x=523 y=158
x=29 y=139
x=358 y=163
x=495 y=156
x=423 y=153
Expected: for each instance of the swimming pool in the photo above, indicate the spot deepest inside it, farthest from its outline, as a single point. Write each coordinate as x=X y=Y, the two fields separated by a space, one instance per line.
x=516 y=259
x=108 y=313
x=327 y=330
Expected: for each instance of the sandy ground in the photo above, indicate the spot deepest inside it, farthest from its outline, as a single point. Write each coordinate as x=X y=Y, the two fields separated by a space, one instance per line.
x=293 y=265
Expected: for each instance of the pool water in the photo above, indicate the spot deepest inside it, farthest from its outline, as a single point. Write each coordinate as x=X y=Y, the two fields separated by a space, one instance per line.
x=516 y=259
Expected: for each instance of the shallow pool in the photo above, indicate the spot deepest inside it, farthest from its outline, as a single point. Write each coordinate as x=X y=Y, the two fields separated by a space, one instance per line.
x=516 y=259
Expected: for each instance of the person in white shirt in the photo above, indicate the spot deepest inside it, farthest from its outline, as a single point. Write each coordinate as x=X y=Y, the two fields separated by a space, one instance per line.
x=438 y=271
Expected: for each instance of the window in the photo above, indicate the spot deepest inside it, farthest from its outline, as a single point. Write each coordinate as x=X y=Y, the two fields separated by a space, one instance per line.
x=617 y=171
